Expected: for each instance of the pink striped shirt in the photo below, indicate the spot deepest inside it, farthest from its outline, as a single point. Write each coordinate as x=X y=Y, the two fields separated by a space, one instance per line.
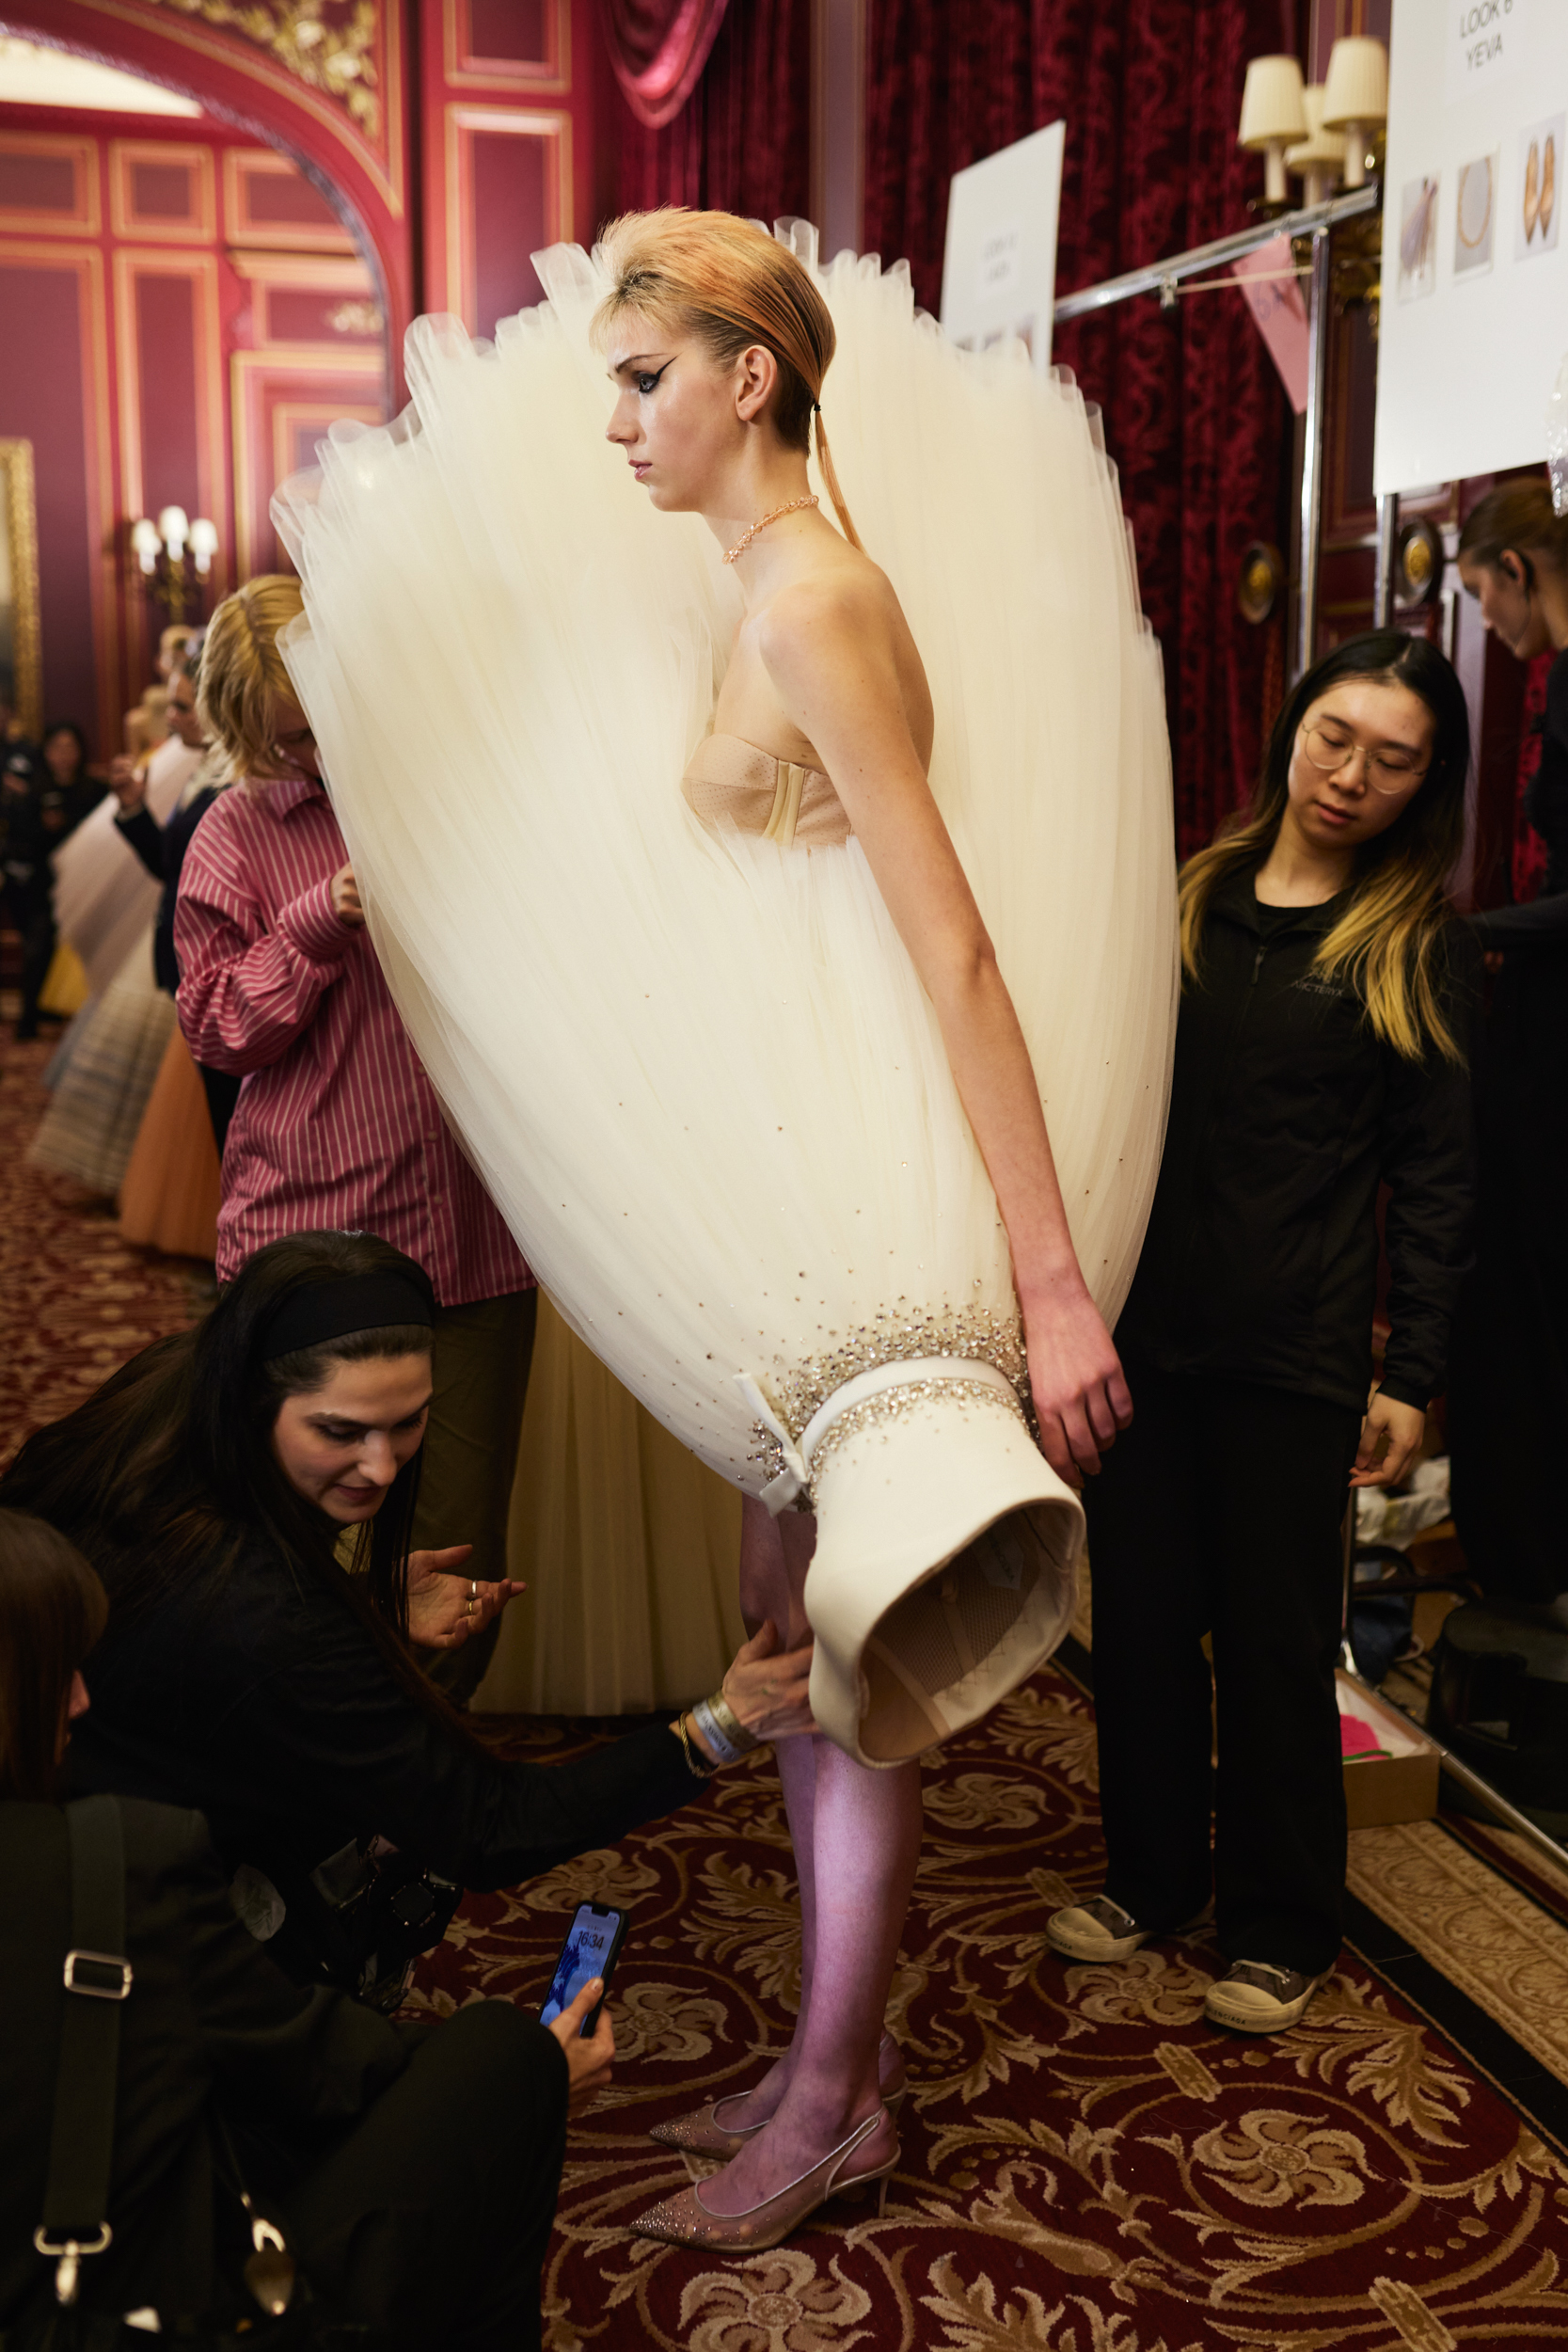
x=337 y=1123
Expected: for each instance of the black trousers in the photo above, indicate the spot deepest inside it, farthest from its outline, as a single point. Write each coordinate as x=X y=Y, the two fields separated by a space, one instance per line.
x=1219 y=1511
x=430 y=2221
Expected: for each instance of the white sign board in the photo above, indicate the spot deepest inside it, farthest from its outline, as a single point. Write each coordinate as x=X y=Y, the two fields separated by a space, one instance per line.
x=1474 y=318
x=999 y=271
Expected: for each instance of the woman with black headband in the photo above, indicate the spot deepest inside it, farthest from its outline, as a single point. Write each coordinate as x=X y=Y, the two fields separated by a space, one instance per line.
x=247 y=1673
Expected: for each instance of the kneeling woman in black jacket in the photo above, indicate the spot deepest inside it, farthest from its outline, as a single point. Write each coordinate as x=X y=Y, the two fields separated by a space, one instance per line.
x=1321 y=1054
x=414 y=2169
x=245 y=1674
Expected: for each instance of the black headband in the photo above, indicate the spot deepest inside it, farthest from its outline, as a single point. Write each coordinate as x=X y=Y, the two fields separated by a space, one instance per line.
x=318 y=1311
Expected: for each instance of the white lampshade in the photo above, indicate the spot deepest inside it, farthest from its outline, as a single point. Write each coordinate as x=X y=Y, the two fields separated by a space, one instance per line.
x=1321 y=156
x=145 y=543
x=1355 y=97
x=204 y=543
x=1271 y=105
x=173 y=529
x=1356 y=90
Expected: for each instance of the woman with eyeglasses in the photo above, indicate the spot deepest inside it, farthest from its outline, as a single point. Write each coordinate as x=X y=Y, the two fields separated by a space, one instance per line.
x=337 y=1123
x=1321 y=1056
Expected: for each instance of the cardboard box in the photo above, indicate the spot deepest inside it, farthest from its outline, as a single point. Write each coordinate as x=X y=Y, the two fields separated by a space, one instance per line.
x=1401 y=1786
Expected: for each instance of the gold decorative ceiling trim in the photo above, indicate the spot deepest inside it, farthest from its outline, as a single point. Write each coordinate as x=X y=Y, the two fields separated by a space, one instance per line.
x=328 y=44
x=382 y=159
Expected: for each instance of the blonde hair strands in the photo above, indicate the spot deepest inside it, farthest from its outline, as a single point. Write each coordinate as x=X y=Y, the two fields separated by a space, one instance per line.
x=728 y=283
x=242 y=675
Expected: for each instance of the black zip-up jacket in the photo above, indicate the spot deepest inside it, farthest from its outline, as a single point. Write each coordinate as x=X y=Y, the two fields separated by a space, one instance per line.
x=1287 y=1114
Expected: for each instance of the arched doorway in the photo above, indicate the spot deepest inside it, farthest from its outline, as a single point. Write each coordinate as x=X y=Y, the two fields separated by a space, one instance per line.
x=197 y=301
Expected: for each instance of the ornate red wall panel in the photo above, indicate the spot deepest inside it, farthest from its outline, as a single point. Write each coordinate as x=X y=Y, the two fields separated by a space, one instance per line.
x=55 y=392
x=507 y=108
x=203 y=247
x=284 y=404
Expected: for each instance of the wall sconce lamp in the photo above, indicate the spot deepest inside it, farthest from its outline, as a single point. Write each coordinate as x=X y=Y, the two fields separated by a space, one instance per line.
x=1274 y=117
x=1319 y=159
x=1355 y=98
x=160 y=551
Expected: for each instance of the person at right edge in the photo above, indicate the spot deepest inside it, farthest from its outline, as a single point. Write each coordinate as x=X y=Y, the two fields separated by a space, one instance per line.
x=1322 y=1053
x=1504 y=1432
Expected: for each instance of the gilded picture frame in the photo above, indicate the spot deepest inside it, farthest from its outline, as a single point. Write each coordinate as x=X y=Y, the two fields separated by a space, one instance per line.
x=21 y=647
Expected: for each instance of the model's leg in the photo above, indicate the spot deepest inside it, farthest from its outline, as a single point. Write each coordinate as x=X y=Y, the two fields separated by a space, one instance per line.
x=774 y=1557
x=856 y=1839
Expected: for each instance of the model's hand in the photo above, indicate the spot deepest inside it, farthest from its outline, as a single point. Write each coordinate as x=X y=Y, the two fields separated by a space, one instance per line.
x=445 y=1607
x=345 y=900
x=1080 y=1397
x=588 y=2063
x=129 y=788
x=766 y=1687
x=1390 y=1438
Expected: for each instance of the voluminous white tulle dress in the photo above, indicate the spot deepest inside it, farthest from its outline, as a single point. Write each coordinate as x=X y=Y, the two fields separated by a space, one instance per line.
x=694 y=1063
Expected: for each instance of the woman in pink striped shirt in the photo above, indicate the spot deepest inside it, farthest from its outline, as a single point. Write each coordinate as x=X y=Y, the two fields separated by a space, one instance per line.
x=337 y=1123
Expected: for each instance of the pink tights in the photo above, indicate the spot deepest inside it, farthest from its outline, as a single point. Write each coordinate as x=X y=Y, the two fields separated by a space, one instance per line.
x=857 y=1839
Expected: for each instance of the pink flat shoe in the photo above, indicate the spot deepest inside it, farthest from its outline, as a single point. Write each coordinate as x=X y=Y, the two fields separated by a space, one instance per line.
x=684 y=2220
x=703 y=2134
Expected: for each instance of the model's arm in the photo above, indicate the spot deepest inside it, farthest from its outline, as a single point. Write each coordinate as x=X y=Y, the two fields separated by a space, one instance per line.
x=829 y=654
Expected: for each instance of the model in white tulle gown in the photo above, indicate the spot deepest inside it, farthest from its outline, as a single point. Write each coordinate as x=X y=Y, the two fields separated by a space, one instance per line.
x=650 y=966
x=697 y=1068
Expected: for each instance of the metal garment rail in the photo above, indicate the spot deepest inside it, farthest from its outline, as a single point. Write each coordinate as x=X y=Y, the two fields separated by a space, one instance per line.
x=1317 y=221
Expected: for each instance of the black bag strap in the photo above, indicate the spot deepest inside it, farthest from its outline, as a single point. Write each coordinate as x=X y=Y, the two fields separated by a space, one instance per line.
x=97 y=1980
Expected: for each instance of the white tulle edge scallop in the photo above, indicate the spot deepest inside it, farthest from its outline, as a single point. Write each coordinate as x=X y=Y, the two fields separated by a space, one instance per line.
x=698 y=1072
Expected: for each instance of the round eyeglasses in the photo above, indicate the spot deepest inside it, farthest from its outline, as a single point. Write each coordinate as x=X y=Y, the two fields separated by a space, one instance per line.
x=1328 y=747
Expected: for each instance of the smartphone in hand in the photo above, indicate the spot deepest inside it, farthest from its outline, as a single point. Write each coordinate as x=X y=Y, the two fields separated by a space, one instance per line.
x=592 y=1947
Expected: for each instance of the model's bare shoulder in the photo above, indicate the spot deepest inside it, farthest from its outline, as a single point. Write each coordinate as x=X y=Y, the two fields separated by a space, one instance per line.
x=846 y=608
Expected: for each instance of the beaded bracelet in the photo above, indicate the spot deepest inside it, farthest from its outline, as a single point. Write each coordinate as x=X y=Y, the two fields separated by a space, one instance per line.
x=698 y=1769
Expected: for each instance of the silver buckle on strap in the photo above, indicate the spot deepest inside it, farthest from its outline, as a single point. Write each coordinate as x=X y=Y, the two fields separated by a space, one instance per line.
x=122 y=1969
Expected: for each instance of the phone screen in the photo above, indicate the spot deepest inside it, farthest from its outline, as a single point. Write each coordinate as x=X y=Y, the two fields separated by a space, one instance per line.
x=591 y=1943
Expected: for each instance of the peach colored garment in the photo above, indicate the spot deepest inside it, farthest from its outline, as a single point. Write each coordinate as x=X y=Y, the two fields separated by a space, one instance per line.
x=170 y=1196
x=732 y=780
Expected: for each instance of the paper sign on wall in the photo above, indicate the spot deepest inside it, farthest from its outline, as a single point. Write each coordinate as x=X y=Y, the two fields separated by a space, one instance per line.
x=1474 y=318
x=998 y=270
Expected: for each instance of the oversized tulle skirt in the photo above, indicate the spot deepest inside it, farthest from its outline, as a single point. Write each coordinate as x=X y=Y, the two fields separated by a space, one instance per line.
x=699 y=1070
x=107 y=1064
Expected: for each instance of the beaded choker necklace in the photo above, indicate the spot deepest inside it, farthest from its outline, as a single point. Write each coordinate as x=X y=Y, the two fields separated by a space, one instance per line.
x=746 y=536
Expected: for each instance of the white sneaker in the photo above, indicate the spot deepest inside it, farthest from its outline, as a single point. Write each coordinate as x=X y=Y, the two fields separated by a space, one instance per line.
x=1254 y=1997
x=1100 y=1929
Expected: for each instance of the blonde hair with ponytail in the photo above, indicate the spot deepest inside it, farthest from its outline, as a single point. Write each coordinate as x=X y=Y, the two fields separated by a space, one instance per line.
x=730 y=284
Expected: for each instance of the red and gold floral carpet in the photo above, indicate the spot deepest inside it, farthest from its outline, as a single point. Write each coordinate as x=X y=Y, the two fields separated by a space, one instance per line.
x=1087 y=2165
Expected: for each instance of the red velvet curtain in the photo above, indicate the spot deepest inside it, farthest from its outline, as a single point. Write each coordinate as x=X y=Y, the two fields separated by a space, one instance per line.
x=1195 y=415
x=742 y=141
x=659 y=49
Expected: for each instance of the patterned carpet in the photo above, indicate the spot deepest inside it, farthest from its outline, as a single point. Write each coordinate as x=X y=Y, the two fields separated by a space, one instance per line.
x=1087 y=2165
x=75 y=1301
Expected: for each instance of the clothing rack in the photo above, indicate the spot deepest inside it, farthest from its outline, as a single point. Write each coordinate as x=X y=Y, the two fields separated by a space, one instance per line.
x=1317 y=222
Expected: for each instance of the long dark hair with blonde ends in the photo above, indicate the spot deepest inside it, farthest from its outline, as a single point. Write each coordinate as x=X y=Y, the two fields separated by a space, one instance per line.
x=730 y=284
x=1388 y=941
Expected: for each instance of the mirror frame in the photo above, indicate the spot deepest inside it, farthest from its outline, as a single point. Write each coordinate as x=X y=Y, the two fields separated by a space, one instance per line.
x=19 y=520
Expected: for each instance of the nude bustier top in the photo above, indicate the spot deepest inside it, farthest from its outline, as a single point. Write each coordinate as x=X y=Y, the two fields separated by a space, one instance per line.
x=730 y=779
